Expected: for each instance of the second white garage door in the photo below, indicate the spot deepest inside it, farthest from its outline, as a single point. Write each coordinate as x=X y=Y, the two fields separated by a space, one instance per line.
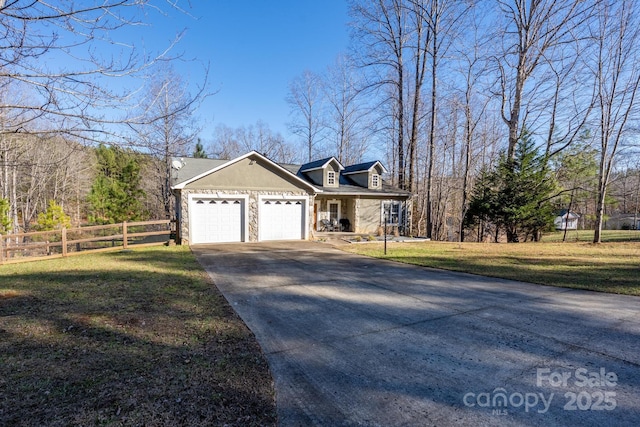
x=216 y=220
x=281 y=219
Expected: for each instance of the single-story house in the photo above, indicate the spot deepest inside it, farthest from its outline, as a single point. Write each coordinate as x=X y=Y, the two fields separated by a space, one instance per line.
x=252 y=198
x=566 y=219
x=622 y=221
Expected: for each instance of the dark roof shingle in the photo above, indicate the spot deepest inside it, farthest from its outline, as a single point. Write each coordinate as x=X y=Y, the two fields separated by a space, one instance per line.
x=316 y=164
x=360 y=167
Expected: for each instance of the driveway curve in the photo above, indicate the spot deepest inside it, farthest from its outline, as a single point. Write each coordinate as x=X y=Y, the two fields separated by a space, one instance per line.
x=357 y=341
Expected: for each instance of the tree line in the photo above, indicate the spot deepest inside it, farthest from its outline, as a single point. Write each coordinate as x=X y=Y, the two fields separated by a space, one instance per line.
x=88 y=119
x=453 y=91
x=494 y=114
x=59 y=183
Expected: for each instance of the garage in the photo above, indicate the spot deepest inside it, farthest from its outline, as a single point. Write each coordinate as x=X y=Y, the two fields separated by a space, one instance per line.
x=282 y=219
x=247 y=199
x=217 y=220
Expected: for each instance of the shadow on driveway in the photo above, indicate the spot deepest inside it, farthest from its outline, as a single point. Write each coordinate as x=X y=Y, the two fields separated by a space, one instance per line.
x=358 y=341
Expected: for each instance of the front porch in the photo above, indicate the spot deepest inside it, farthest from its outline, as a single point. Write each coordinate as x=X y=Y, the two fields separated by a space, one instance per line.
x=333 y=213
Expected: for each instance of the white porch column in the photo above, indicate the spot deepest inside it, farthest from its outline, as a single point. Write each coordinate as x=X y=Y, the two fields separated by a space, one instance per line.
x=356 y=214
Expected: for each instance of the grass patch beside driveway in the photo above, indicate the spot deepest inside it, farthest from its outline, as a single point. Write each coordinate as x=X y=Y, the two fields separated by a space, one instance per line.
x=608 y=267
x=128 y=338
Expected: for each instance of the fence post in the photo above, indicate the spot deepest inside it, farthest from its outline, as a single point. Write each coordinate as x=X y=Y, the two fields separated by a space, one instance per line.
x=64 y=241
x=124 y=235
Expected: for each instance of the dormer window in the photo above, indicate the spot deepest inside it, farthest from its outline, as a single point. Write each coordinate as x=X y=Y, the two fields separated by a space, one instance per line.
x=375 y=180
x=331 y=178
x=325 y=172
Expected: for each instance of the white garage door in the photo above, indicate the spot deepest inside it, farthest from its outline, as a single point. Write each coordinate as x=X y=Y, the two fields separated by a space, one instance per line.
x=281 y=219
x=216 y=220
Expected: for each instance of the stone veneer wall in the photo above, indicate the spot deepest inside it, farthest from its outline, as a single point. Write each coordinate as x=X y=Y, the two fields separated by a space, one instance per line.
x=253 y=208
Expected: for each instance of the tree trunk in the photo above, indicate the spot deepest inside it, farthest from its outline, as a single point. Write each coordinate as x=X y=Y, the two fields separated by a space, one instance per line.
x=514 y=119
x=602 y=189
x=467 y=167
x=432 y=130
x=566 y=223
x=421 y=61
x=400 y=148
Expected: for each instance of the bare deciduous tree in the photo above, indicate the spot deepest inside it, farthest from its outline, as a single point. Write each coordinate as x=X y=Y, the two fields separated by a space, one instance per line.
x=67 y=69
x=473 y=69
x=229 y=143
x=441 y=19
x=38 y=168
x=381 y=28
x=166 y=126
x=305 y=100
x=617 y=76
x=532 y=29
x=347 y=119
x=66 y=58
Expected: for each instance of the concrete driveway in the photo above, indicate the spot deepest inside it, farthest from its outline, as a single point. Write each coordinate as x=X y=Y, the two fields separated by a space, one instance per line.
x=357 y=341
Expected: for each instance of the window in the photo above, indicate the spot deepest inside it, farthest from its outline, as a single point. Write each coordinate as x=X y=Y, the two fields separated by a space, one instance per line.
x=334 y=211
x=375 y=180
x=331 y=178
x=392 y=212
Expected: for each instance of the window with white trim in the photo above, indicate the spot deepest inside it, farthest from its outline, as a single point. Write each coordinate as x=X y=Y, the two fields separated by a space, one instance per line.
x=331 y=178
x=375 y=180
x=391 y=211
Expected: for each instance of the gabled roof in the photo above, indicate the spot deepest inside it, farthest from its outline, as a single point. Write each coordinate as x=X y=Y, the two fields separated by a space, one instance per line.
x=565 y=213
x=217 y=166
x=195 y=169
x=191 y=167
x=363 y=167
x=319 y=164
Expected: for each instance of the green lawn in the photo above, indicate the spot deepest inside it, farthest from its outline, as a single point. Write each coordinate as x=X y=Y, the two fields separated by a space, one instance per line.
x=126 y=338
x=608 y=267
x=587 y=236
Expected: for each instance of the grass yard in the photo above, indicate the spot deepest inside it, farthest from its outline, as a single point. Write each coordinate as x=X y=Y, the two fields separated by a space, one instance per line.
x=126 y=338
x=608 y=267
x=607 y=236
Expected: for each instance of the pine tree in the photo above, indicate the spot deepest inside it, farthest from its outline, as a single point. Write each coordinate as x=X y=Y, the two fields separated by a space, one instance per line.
x=116 y=195
x=5 y=218
x=53 y=218
x=515 y=196
x=199 y=152
x=482 y=203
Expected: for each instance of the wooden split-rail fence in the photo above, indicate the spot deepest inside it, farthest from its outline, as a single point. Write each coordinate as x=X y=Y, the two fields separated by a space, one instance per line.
x=65 y=242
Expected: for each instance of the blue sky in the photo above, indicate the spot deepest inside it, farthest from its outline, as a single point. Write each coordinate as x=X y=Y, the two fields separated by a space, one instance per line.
x=255 y=48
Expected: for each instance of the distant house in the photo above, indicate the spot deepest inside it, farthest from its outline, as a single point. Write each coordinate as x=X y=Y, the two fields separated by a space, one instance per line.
x=566 y=220
x=252 y=198
x=622 y=221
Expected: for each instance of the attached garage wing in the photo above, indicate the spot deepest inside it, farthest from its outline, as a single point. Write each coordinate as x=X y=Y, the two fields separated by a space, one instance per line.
x=282 y=219
x=216 y=220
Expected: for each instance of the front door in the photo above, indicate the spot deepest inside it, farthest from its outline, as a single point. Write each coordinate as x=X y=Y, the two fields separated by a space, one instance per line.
x=334 y=213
